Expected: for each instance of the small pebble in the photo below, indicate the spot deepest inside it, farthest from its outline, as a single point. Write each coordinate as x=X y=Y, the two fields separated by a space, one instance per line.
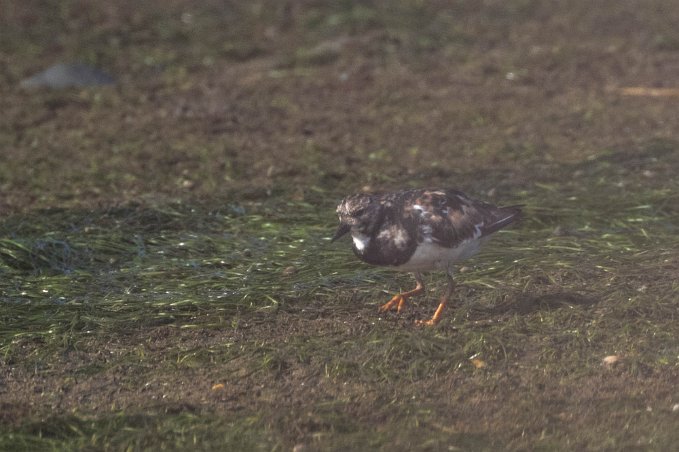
x=675 y=407
x=218 y=387
x=478 y=363
x=611 y=360
x=291 y=270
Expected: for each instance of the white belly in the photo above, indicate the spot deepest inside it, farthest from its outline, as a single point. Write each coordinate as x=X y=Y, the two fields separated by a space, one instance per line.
x=430 y=256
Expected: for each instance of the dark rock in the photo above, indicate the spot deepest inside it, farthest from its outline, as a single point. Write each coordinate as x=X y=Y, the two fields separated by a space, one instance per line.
x=65 y=75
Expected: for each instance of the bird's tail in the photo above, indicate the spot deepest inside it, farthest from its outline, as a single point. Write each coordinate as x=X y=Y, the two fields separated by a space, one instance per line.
x=503 y=216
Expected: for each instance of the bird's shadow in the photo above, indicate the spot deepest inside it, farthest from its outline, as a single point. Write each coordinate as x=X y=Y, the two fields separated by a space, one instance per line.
x=524 y=304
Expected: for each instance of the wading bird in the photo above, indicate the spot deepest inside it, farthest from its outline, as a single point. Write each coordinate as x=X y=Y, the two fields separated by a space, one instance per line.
x=419 y=231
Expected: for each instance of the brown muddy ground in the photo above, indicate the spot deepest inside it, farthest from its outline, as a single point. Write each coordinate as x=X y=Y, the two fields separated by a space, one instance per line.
x=167 y=280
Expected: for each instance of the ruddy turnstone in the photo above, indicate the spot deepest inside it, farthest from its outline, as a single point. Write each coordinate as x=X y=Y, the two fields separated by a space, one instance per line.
x=418 y=231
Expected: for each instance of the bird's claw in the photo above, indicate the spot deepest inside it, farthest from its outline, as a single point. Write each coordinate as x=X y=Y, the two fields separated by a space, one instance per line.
x=398 y=301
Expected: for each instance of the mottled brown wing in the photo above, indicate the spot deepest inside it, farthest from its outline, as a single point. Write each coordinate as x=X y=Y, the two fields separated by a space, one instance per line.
x=449 y=217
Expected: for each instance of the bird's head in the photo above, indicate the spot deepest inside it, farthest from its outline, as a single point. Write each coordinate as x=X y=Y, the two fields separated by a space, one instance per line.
x=356 y=212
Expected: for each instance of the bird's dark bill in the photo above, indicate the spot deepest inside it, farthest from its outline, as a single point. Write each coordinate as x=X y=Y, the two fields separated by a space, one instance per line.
x=341 y=230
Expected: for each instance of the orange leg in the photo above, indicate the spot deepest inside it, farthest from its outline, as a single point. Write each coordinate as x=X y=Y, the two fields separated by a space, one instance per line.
x=444 y=300
x=399 y=300
x=436 y=318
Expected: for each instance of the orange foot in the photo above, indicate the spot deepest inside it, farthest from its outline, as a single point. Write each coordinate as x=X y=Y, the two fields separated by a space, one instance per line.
x=399 y=300
x=435 y=319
